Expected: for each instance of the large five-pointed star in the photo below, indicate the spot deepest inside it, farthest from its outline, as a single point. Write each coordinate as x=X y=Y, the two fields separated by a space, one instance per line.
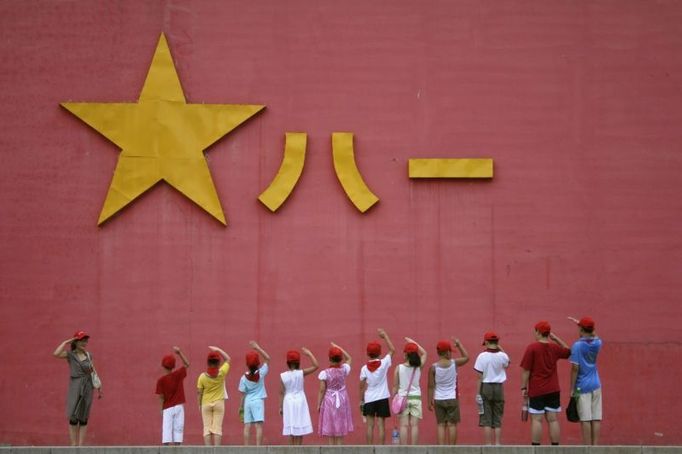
x=162 y=138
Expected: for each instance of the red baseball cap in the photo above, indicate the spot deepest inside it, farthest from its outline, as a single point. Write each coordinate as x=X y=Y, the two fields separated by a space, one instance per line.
x=335 y=352
x=443 y=346
x=168 y=361
x=411 y=347
x=374 y=349
x=80 y=335
x=213 y=356
x=490 y=337
x=586 y=322
x=543 y=327
x=252 y=360
x=293 y=356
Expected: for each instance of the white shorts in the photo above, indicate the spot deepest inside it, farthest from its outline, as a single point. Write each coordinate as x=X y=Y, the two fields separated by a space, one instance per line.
x=173 y=424
x=589 y=406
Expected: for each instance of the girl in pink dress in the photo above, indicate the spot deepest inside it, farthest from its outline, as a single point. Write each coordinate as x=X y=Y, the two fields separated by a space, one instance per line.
x=332 y=401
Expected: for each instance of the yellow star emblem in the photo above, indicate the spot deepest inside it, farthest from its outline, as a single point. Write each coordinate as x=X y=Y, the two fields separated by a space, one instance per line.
x=162 y=138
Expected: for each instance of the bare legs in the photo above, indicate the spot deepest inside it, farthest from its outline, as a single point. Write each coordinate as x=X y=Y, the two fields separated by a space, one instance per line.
x=77 y=434
x=411 y=422
x=536 y=427
x=213 y=439
x=296 y=440
x=259 y=433
x=381 y=429
x=492 y=435
x=590 y=431
x=335 y=440
x=447 y=432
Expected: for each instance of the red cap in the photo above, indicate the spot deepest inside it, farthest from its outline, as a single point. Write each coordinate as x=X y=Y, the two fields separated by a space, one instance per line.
x=293 y=356
x=213 y=356
x=443 y=346
x=168 y=361
x=80 y=335
x=586 y=322
x=490 y=337
x=411 y=347
x=252 y=360
x=335 y=352
x=543 y=327
x=374 y=349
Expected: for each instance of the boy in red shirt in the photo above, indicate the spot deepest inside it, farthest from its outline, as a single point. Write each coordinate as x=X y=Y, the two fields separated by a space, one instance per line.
x=540 y=382
x=172 y=396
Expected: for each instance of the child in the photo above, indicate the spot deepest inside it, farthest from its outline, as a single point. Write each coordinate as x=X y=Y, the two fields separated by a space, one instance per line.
x=252 y=387
x=293 y=405
x=443 y=390
x=374 y=388
x=490 y=366
x=407 y=375
x=172 y=397
x=211 y=394
x=332 y=400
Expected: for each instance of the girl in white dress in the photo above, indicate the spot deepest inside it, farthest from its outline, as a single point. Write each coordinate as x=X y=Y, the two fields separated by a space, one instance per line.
x=293 y=404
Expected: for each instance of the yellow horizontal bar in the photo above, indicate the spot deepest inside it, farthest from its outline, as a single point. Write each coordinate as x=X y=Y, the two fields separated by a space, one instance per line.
x=450 y=168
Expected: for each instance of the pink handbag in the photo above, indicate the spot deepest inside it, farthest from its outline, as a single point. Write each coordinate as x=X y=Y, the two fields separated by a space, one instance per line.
x=399 y=403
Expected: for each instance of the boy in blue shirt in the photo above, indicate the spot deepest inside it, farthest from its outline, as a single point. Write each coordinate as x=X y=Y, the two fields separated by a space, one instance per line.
x=585 y=381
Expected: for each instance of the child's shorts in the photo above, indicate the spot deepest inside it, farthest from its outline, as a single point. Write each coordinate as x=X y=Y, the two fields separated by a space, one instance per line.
x=254 y=411
x=447 y=411
x=414 y=407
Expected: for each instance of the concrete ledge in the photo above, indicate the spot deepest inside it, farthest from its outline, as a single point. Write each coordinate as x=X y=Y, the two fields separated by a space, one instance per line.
x=310 y=449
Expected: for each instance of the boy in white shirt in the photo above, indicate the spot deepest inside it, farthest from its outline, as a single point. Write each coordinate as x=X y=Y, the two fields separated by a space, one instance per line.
x=490 y=366
x=374 y=388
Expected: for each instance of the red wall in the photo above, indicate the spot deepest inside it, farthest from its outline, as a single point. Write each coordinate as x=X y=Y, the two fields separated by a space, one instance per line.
x=578 y=103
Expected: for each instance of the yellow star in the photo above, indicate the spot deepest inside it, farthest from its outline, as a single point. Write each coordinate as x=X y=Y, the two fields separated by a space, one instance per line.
x=162 y=138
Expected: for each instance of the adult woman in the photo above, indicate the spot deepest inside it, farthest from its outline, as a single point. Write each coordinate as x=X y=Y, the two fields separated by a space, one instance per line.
x=79 y=397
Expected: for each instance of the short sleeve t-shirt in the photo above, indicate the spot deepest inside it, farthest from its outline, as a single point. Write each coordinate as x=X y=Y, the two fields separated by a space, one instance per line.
x=492 y=365
x=170 y=386
x=540 y=359
x=213 y=388
x=254 y=389
x=377 y=385
x=584 y=353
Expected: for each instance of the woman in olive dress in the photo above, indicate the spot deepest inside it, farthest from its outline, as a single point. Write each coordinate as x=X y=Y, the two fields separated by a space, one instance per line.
x=79 y=397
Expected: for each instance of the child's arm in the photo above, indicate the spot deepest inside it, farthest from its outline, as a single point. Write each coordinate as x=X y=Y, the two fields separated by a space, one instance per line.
x=60 y=351
x=320 y=394
x=314 y=367
x=462 y=351
x=281 y=397
x=346 y=357
x=478 y=382
x=422 y=352
x=432 y=386
x=396 y=380
x=225 y=356
x=161 y=401
x=263 y=353
x=384 y=335
x=200 y=396
x=185 y=361
x=363 y=387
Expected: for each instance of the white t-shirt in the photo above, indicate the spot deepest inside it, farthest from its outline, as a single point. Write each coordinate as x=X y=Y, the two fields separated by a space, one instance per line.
x=377 y=385
x=492 y=365
x=446 y=381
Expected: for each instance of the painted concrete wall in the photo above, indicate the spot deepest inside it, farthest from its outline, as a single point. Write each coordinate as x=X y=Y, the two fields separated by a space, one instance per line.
x=578 y=103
